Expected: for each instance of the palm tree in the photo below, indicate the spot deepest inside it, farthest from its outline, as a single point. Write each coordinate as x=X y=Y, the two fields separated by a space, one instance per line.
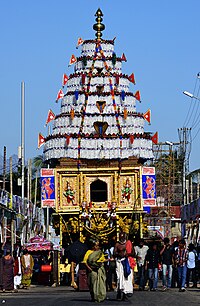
x=38 y=163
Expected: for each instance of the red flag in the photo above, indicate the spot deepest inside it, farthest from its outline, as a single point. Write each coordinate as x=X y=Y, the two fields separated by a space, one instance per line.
x=51 y=116
x=72 y=60
x=41 y=140
x=123 y=58
x=60 y=95
x=137 y=95
x=79 y=42
x=131 y=137
x=147 y=116
x=64 y=80
x=154 y=138
x=132 y=78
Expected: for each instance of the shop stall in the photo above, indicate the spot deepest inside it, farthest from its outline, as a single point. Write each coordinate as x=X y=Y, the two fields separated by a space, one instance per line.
x=45 y=268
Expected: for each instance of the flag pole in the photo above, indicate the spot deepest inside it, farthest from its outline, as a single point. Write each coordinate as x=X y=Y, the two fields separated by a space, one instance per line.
x=22 y=137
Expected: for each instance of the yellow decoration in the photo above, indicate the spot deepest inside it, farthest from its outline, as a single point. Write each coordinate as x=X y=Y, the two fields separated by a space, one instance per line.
x=125 y=113
x=124 y=224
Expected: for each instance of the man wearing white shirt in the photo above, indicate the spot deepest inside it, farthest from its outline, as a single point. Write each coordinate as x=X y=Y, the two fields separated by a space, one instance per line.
x=140 y=252
x=191 y=265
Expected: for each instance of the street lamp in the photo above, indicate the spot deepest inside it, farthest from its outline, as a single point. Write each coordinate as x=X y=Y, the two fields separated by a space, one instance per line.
x=190 y=95
x=169 y=143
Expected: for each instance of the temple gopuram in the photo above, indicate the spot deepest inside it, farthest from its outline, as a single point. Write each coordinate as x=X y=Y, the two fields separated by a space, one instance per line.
x=99 y=147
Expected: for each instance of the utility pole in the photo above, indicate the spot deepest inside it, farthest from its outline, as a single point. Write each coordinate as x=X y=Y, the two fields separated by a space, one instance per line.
x=35 y=196
x=4 y=168
x=29 y=181
x=12 y=234
x=184 y=134
x=11 y=181
x=22 y=136
x=30 y=174
x=22 y=144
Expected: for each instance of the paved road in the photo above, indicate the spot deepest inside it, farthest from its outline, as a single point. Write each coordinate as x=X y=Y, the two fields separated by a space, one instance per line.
x=42 y=296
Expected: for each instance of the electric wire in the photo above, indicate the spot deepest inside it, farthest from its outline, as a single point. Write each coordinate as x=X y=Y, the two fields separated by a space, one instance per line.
x=196 y=121
x=191 y=108
x=193 y=115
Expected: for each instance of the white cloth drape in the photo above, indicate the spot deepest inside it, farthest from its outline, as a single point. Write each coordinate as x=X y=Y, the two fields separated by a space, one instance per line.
x=98 y=148
x=123 y=284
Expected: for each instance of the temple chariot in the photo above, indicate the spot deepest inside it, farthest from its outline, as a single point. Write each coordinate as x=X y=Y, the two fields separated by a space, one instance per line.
x=98 y=147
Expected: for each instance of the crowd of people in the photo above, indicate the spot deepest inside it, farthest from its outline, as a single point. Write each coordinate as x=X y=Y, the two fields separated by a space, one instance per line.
x=120 y=266
x=15 y=271
x=123 y=266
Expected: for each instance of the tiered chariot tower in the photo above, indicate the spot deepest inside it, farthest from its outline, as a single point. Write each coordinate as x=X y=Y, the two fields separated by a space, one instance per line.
x=99 y=145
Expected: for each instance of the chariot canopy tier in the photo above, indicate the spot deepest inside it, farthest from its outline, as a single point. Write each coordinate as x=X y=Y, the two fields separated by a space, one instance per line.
x=98 y=117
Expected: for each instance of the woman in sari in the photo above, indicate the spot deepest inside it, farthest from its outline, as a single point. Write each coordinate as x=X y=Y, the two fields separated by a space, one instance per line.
x=94 y=261
x=27 y=264
x=8 y=272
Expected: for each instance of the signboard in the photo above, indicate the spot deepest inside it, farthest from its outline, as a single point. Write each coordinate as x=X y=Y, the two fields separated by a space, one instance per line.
x=149 y=186
x=153 y=227
x=47 y=180
x=159 y=225
x=147 y=209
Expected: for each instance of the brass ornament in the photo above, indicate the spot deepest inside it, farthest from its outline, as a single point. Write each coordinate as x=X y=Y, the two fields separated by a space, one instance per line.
x=99 y=27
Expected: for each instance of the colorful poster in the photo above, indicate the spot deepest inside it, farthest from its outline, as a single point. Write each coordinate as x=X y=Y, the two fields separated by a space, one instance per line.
x=149 y=186
x=47 y=180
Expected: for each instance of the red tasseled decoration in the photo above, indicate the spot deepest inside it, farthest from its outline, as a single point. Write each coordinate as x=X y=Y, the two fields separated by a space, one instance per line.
x=131 y=139
x=117 y=79
x=125 y=113
x=72 y=113
x=67 y=139
x=83 y=79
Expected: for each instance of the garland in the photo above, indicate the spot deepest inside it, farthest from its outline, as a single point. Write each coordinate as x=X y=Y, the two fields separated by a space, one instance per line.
x=77 y=114
x=107 y=41
x=79 y=74
x=146 y=135
x=100 y=234
x=84 y=57
x=103 y=94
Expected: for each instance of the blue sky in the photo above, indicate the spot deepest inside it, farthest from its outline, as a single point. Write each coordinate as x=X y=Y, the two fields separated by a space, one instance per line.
x=159 y=38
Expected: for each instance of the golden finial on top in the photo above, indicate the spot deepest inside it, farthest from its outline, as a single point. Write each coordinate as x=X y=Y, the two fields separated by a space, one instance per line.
x=99 y=27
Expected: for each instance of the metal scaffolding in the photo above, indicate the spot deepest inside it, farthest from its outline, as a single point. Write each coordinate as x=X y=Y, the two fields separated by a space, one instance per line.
x=168 y=161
